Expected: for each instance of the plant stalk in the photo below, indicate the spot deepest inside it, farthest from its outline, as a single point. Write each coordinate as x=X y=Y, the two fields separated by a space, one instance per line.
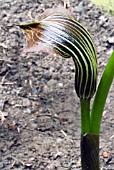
x=90 y=152
x=85 y=115
x=101 y=96
x=89 y=142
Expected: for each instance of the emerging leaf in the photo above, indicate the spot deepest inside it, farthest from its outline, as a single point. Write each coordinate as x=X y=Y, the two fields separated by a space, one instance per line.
x=61 y=33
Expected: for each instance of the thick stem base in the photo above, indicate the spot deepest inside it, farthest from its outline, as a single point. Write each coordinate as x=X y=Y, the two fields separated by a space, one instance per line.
x=90 y=152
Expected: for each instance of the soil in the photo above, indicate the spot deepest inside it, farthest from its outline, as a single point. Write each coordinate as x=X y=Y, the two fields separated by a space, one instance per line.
x=39 y=109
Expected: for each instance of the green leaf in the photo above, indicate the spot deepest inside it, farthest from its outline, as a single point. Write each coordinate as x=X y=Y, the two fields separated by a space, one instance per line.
x=107 y=5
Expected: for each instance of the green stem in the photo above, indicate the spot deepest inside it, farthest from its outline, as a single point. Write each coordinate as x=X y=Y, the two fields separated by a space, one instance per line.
x=85 y=115
x=101 y=95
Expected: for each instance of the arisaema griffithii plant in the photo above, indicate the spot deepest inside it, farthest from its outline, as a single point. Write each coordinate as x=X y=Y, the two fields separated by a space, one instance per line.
x=59 y=32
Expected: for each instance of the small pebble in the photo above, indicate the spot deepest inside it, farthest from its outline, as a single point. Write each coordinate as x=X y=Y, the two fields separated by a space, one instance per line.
x=26 y=102
x=105 y=154
x=111 y=40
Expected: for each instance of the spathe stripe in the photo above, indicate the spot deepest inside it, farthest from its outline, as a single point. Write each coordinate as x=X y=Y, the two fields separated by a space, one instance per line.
x=69 y=38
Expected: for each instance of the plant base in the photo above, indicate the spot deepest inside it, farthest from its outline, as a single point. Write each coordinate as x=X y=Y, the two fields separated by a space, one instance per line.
x=90 y=152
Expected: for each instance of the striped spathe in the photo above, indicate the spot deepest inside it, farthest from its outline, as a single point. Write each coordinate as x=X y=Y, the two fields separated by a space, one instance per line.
x=64 y=35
